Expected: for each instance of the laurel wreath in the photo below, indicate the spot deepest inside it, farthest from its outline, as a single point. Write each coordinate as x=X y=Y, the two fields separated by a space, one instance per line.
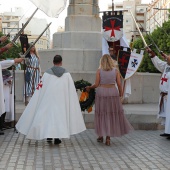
x=87 y=98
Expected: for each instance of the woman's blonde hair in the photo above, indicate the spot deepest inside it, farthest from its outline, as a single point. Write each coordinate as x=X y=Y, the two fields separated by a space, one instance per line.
x=107 y=63
x=35 y=52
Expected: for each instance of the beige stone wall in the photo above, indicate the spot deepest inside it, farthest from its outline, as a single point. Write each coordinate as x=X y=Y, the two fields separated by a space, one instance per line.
x=145 y=86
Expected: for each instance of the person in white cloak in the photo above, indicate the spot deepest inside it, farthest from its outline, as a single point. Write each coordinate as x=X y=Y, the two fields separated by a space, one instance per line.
x=8 y=87
x=3 y=65
x=107 y=50
x=54 y=109
x=164 y=85
x=167 y=124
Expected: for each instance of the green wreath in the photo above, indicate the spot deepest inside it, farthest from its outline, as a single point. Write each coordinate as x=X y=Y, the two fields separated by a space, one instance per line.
x=89 y=102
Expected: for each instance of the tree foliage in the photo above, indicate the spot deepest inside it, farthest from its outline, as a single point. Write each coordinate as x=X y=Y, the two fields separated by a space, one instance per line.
x=161 y=37
x=12 y=52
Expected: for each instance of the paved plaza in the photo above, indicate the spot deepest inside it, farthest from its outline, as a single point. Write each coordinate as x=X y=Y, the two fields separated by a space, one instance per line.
x=139 y=150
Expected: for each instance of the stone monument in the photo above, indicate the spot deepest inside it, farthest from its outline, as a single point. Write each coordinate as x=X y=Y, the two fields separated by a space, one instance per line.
x=80 y=43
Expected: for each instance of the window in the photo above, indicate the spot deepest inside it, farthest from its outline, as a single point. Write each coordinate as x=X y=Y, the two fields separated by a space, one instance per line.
x=140 y=14
x=141 y=21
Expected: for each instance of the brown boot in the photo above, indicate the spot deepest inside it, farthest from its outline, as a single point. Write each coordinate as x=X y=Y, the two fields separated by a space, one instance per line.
x=107 y=140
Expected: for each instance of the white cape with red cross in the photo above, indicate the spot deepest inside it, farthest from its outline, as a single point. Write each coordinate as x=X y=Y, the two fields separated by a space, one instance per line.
x=53 y=111
x=167 y=123
x=3 y=65
x=164 y=68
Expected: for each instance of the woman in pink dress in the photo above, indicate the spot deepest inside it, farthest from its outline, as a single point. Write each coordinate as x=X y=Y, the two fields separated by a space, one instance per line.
x=110 y=120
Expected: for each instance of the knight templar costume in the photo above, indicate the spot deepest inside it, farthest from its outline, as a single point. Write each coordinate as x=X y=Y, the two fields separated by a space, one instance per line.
x=54 y=109
x=164 y=86
x=164 y=68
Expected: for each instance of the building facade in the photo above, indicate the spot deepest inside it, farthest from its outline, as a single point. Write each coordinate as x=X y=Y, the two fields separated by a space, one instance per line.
x=138 y=10
x=11 y=22
x=35 y=27
x=157 y=14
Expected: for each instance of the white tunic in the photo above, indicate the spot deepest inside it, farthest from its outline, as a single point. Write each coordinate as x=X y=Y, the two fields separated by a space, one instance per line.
x=9 y=102
x=167 y=122
x=3 y=65
x=53 y=111
x=164 y=68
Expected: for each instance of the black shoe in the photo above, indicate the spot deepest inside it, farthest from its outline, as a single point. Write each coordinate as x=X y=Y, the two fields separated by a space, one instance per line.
x=165 y=135
x=1 y=132
x=168 y=137
x=6 y=127
x=57 y=141
x=49 y=140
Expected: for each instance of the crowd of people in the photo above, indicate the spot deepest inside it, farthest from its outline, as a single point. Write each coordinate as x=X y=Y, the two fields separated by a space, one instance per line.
x=53 y=110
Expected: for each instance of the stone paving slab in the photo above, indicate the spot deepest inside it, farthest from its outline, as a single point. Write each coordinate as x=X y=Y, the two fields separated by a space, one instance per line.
x=139 y=150
x=141 y=116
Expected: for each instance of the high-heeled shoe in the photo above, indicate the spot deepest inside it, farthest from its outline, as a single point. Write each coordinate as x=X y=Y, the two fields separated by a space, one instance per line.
x=107 y=141
x=100 y=139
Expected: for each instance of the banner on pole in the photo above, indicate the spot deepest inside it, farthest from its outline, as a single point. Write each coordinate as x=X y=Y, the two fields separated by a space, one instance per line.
x=112 y=25
x=129 y=62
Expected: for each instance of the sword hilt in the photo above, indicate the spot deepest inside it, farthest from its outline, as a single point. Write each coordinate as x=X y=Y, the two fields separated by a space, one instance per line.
x=150 y=52
x=163 y=55
x=148 y=46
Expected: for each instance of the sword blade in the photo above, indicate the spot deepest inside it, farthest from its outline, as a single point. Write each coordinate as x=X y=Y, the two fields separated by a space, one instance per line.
x=139 y=30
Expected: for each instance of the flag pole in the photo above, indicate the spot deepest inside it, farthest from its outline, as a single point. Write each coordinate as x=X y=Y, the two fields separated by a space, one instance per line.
x=124 y=86
x=112 y=5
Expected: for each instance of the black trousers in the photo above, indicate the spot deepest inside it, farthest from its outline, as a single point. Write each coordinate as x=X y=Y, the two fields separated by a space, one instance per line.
x=2 y=120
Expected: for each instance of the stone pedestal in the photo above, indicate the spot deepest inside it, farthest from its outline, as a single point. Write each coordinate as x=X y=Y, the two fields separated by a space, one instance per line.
x=74 y=60
x=81 y=43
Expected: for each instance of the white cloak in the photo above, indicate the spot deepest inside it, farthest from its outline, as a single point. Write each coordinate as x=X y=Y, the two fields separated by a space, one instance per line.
x=9 y=101
x=53 y=111
x=167 y=122
x=3 y=65
x=105 y=50
x=163 y=85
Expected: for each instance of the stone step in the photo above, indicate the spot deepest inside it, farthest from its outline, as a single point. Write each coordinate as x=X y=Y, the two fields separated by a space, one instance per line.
x=141 y=116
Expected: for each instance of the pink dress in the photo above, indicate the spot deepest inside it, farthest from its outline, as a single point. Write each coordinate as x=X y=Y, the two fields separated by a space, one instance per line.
x=109 y=114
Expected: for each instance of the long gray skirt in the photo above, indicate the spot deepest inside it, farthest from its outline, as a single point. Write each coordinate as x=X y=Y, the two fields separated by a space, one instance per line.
x=109 y=114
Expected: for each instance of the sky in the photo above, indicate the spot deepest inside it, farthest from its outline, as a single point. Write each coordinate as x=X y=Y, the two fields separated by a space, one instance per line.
x=29 y=7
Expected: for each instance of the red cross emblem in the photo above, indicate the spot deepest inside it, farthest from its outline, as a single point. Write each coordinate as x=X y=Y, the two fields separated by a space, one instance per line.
x=123 y=60
x=164 y=79
x=112 y=28
x=39 y=85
